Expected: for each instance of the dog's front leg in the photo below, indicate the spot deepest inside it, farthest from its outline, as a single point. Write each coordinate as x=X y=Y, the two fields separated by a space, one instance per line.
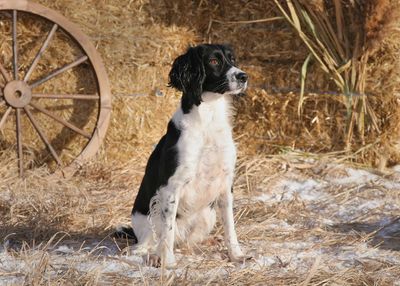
x=169 y=206
x=225 y=204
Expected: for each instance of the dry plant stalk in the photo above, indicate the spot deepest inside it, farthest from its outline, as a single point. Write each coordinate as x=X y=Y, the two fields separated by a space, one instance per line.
x=334 y=35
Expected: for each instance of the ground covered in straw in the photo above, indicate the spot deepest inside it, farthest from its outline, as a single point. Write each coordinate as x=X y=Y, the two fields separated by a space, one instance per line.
x=303 y=219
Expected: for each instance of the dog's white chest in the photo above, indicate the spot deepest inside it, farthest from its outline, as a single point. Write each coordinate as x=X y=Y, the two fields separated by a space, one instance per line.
x=214 y=156
x=213 y=175
x=216 y=164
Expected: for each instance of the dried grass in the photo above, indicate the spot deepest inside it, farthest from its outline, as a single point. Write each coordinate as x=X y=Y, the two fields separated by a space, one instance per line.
x=61 y=234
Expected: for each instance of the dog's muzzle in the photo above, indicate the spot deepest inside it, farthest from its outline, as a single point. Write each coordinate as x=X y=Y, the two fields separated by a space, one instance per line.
x=242 y=79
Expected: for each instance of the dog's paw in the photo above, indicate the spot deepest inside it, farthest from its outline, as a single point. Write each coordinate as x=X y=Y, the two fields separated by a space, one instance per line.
x=139 y=251
x=240 y=257
x=169 y=261
x=153 y=260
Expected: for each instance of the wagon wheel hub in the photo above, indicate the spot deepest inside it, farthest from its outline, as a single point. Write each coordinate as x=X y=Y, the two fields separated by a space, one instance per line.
x=17 y=93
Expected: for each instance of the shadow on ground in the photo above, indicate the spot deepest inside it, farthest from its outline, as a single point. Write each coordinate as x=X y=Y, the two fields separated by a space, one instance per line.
x=95 y=241
x=384 y=233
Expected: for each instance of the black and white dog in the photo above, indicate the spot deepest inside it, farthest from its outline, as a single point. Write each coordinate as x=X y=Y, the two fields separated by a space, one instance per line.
x=191 y=170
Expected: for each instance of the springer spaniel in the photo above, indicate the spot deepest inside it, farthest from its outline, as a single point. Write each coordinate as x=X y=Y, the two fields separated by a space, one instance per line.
x=191 y=170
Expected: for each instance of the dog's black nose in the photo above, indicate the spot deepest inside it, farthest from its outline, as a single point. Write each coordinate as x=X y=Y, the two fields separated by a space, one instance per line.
x=242 y=77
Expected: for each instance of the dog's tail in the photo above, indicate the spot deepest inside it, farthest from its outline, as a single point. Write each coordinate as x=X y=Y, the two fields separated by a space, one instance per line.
x=125 y=232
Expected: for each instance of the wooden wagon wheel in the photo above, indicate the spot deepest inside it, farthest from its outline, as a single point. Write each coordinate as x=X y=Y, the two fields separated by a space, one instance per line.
x=20 y=95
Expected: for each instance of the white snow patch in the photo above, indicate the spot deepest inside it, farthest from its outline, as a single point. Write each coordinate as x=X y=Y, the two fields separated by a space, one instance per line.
x=280 y=225
x=64 y=249
x=396 y=168
x=350 y=212
x=10 y=269
x=391 y=185
x=289 y=189
x=355 y=176
x=360 y=177
x=265 y=261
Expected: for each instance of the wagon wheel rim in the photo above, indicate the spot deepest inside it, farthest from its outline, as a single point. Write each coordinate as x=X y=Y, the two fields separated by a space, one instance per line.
x=17 y=93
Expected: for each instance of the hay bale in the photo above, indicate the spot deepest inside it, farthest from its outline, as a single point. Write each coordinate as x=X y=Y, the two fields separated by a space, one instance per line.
x=138 y=41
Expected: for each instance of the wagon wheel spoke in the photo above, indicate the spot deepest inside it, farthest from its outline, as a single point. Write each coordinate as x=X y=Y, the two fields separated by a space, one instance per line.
x=5 y=115
x=62 y=121
x=43 y=136
x=19 y=142
x=67 y=96
x=40 y=52
x=59 y=71
x=14 y=40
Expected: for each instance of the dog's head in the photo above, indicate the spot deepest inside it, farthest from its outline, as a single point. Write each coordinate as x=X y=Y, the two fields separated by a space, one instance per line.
x=206 y=68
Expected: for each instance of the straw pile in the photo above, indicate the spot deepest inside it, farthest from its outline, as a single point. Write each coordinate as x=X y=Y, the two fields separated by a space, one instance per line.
x=139 y=40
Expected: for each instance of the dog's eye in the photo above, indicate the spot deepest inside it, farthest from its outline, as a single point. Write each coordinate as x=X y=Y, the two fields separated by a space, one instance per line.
x=213 y=62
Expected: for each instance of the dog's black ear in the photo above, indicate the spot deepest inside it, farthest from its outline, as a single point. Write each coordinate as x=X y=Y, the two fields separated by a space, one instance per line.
x=187 y=75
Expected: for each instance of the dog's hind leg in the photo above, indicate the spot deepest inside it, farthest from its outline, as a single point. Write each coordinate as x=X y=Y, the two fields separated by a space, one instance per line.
x=144 y=234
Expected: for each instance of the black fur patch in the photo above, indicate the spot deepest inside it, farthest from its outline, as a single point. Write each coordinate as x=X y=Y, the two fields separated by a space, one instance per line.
x=160 y=167
x=126 y=233
x=187 y=75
